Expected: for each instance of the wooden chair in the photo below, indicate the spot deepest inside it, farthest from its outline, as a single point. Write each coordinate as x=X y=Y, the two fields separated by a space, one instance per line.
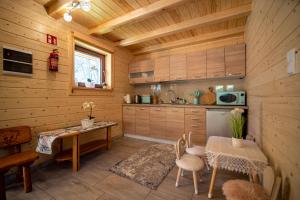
x=195 y=149
x=11 y=139
x=187 y=162
x=242 y=189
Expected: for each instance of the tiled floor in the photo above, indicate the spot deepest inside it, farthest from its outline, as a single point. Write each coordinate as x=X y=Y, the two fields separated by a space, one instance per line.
x=95 y=182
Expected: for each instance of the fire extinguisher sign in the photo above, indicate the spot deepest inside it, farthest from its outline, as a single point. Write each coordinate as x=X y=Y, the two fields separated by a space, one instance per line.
x=51 y=39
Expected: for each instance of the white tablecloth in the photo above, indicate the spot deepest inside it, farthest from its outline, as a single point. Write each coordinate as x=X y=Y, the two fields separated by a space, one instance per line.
x=222 y=154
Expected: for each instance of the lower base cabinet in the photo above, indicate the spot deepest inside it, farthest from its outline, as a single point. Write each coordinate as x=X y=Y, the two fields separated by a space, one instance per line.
x=168 y=123
x=195 y=122
x=157 y=122
x=174 y=123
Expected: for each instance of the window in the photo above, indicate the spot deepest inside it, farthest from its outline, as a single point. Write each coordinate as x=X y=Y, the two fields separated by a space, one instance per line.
x=92 y=68
x=89 y=68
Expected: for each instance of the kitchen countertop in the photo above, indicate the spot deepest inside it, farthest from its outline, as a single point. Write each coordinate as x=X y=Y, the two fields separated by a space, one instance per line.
x=186 y=105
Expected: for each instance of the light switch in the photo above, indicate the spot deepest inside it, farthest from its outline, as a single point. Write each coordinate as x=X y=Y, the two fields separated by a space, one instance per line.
x=292 y=67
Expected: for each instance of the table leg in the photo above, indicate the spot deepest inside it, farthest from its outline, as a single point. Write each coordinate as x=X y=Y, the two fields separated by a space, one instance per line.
x=108 y=138
x=254 y=177
x=212 y=182
x=76 y=153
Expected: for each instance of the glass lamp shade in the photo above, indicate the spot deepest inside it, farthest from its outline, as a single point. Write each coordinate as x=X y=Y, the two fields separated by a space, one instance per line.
x=68 y=17
x=85 y=5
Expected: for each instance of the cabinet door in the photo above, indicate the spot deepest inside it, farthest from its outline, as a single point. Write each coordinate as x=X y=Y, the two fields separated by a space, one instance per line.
x=215 y=63
x=178 y=67
x=142 y=120
x=196 y=65
x=235 y=60
x=157 y=122
x=174 y=123
x=141 y=66
x=195 y=121
x=162 y=69
x=129 y=119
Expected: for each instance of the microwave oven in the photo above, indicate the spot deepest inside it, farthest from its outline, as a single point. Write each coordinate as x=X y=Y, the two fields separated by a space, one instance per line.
x=231 y=98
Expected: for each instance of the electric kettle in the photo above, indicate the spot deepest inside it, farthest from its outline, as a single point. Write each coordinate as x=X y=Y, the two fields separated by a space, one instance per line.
x=127 y=98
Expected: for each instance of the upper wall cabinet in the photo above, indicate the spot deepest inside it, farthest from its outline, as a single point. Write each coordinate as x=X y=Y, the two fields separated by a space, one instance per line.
x=141 y=66
x=196 y=65
x=215 y=63
x=224 y=62
x=235 y=60
x=162 y=69
x=178 y=67
x=141 y=71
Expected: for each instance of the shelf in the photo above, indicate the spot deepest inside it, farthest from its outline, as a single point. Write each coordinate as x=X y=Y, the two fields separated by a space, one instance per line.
x=84 y=149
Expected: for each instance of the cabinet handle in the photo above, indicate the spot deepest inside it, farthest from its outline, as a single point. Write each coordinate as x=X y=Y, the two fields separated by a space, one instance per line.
x=195 y=119
x=157 y=110
x=235 y=74
x=195 y=111
x=142 y=108
x=195 y=126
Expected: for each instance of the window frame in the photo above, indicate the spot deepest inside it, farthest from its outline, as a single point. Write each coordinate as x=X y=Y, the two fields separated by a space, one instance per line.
x=89 y=43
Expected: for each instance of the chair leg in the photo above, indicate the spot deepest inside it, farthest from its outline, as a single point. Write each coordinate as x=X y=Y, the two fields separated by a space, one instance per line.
x=2 y=187
x=195 y=182
x=27 y=179
x=182 y=172
x=206 y=163
x=178 y=177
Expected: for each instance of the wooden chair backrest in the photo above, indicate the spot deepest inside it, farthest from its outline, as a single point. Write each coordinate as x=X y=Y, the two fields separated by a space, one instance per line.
x=14 y=136
x=180 y=147
x=189 y=141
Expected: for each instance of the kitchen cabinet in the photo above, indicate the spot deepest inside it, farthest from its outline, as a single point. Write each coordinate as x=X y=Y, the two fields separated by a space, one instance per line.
x=164 y=122
x=178 y=67
x=141 y=66
x=196 y=123
x=157 y=122
x=215 y=63
x=129 y=120
x=235 y=60
x=141 y=71
x=162 y=69
x=142 y=117
x=174 y=123
x=196 y=65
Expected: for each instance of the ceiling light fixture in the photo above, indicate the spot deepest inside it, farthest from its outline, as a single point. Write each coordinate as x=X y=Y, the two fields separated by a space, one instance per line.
x=85 y=5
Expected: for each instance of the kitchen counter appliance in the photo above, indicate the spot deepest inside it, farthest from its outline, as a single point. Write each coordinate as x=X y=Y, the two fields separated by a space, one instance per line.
x=231 y=98
x=146 y=99
x=217 y=122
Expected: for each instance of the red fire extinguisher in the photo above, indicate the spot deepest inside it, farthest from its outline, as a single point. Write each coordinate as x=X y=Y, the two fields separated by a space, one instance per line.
x=53 y=61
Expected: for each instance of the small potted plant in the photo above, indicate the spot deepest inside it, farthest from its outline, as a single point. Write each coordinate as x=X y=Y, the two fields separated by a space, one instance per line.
x=237 y=121
x=196 y=94
x=89 y=122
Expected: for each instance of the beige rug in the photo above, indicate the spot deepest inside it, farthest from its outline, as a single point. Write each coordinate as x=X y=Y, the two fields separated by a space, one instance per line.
x=149 y=166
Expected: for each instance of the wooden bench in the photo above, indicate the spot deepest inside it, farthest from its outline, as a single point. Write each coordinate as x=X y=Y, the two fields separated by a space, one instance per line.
x=11 y=139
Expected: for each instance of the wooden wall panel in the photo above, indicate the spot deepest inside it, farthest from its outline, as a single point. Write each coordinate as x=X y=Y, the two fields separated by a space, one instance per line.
x=274 y=96
x=43 y=101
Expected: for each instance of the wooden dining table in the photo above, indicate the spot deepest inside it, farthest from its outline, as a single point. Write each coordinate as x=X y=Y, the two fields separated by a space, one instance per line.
x=248 y=159
x=77 y=149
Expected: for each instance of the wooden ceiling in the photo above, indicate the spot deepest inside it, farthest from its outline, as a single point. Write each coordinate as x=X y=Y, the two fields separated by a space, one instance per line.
x=151 y=25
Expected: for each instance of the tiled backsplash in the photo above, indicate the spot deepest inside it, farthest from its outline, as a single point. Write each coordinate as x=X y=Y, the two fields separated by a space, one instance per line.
x=184 y=89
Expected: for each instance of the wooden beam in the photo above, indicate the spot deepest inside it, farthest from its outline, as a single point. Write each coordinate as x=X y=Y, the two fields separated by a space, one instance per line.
x=56 y=8
x=186 y=25
x=191 y=40
x=135 y=15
